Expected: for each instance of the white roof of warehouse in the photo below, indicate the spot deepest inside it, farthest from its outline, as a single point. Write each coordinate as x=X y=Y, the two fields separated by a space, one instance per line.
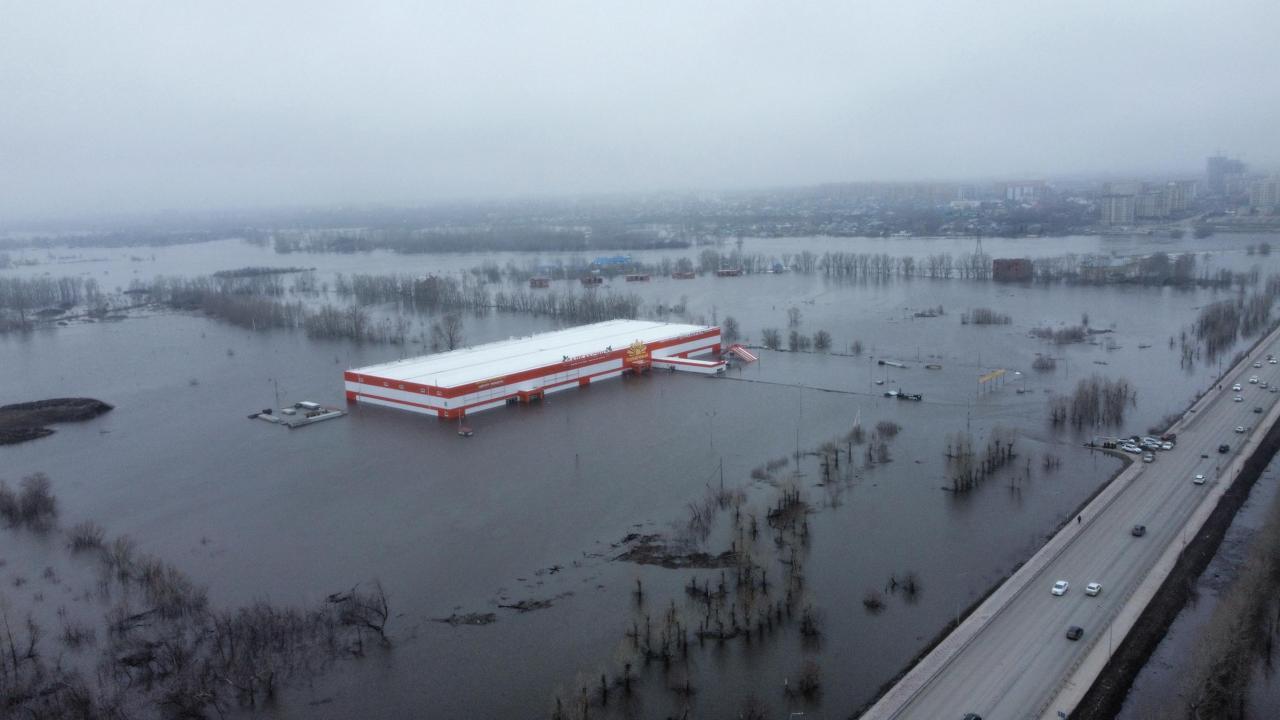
x=491 y=360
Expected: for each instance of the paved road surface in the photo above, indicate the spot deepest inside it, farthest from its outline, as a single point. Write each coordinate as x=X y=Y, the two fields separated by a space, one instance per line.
x=1015 y=664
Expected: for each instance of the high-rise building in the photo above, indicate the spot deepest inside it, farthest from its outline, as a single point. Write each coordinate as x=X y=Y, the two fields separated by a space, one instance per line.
x=1024 y=192
x=1264 y=194
x=1152 y=204
x=1221 y=172
x=1181 y=193
x=1118 y=209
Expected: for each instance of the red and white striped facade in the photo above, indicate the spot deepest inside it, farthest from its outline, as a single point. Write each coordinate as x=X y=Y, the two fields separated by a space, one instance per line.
x=460 y=382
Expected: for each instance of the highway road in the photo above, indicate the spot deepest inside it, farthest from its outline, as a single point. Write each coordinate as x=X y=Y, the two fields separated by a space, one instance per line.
x=1013 y=666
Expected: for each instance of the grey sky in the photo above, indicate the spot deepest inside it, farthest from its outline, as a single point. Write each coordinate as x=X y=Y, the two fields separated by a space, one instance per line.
x=128 y=106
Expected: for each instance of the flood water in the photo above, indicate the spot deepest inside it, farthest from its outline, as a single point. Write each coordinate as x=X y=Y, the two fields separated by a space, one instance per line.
x=532 y=505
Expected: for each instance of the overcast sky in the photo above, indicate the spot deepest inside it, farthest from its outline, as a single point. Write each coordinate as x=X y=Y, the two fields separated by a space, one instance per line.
x=139 y=106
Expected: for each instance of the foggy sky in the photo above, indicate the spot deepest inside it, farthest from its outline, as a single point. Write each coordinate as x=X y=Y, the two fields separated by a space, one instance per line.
x=133 y=106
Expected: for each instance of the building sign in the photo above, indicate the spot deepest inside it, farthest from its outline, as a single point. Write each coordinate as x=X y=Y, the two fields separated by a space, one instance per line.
x=638 y=352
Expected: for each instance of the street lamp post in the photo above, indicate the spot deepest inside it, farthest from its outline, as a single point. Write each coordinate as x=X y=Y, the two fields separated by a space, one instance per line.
x=966 y=593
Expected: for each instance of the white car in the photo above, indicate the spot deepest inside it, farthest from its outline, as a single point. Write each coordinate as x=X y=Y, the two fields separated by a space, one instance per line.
x=1198 y=479
x=1273 y=361
x=1060 y=587
x=1131 y=448
x=1237 y=387
x=1092 y=589
x=1238 y=399
x=1257 y=363
x=1240 y=428
x=1253 y=380
x=1166 y=446
x=1263 y=384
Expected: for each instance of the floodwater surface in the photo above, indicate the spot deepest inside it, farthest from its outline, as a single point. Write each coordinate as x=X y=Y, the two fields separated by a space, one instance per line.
x=534 y=506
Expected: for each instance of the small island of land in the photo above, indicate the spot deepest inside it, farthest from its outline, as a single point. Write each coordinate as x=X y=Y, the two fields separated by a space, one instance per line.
x=20 y=422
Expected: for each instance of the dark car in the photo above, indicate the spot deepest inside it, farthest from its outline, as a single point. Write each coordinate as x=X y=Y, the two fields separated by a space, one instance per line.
x=1224 y=448
x=1258 y=410
x=1075 y=632
x=1139 y=530
x=972 y=716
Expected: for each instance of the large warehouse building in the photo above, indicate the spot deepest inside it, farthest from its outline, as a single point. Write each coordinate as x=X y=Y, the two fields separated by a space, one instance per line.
x=460 y=382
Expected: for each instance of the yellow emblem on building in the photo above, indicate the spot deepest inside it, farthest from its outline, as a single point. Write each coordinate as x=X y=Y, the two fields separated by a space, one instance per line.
x=638 y=352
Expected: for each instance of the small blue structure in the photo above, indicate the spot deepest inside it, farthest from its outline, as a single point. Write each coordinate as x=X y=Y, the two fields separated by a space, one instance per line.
x=611 y=260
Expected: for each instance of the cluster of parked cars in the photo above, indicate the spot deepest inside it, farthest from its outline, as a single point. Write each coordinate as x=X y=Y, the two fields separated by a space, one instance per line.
x=1146 y=446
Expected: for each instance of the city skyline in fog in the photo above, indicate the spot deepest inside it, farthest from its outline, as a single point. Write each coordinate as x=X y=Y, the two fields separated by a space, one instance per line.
x=146 y=106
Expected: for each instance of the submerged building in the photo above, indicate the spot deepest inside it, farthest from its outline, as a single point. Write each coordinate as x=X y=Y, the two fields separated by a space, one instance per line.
x=465 y=381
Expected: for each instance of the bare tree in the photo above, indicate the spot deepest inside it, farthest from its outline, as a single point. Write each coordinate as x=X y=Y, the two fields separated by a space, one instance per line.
x=447 y=331
x=730 y=331
x=793 y=317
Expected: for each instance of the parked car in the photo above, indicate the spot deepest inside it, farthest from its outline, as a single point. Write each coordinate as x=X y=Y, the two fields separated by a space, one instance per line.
x=1166 y=446
x=1148 y=457
x=1075 y=632
x=1139 y=530
x=1131 y=448
x=1060 y=587
x=1092 y=589
x=1198 y=479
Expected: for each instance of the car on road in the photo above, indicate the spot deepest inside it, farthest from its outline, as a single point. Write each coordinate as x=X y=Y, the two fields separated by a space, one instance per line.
x=1272 y=361
x=972 y=716
x=1237 y=387
x=1253 y=380
x=1198 y=479
x=1257 y=410
x=1257 y=363
x=1263 y=384
x=1060 y=587
x=1224 y=449
x=1239 y=428
x=1138 y=530
x=1148 y=457
x=1075 y=632
x=1238 y=399
x=1166 y=445
x=1092 y=589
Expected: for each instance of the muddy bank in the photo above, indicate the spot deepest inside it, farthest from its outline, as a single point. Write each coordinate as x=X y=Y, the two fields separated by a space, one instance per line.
x=1106 y=697
x=20 y=422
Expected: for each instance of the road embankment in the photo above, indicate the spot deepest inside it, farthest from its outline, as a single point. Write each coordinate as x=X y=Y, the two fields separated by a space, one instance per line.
x=1104 y=698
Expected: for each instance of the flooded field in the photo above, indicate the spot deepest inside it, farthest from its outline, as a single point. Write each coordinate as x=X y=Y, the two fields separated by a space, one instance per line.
x=532 y=510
